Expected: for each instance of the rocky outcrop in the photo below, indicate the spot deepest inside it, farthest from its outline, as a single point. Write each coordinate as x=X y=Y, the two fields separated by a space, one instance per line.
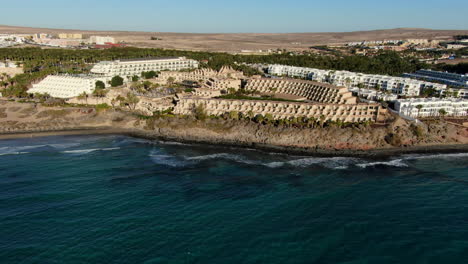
x=398 y=137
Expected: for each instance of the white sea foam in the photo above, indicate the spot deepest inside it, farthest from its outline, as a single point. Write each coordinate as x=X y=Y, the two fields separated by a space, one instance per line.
x=434 y=156
x=227 y=156
x=85 y=151
x=166 y=160
x=332 y=163
x=64 y=145
x=13 y=153
x=393 y=163
x=19 y=148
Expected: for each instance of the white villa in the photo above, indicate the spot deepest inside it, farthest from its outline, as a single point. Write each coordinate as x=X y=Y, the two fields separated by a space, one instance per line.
x=431 y=107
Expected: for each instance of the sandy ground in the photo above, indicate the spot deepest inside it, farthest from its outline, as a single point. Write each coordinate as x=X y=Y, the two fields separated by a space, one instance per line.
x=245 y=41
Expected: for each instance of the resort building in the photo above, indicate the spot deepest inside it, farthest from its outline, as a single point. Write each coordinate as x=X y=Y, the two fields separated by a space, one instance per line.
x=429 y=107
x=101 y=40
x=373 y=95
x=313 y=91
x=128 y=68
x=281 y=110
x=223 y=83
x=396 y=85
x=67 y=86
x=452 y=79
x=201 y=75
x=70 y=36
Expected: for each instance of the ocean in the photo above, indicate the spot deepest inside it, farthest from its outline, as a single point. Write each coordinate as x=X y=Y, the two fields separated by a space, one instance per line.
x=117 y=199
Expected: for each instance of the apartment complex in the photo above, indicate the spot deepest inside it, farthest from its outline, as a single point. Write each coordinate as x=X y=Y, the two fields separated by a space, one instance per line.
x=396 y=85
x=373 y=95
x=202 y=75
x=374 y=42
x=131 y=67
x=281 y=110
x=67 y=86
x=314 y=91
x=431 y=107
x=452 y=79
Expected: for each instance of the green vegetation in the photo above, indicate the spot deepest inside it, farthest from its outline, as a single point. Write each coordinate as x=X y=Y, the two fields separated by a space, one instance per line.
x=460 y=68
x=100 y=93
x=116 y=81
x=417 y=130
x=419 y=107
x=100 y=85
x=429 y=92
x=102 y=107
x=442 y=112
x=200 y=112
x=149 y=75
x=39 y=63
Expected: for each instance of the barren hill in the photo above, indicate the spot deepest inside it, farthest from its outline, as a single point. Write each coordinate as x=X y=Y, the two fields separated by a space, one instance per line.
x=246 y=41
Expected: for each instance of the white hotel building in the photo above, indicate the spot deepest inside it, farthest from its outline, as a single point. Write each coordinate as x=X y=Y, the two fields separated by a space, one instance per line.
x=431 y=107
x=67 y=86
x=395 y=85
x=131 y=67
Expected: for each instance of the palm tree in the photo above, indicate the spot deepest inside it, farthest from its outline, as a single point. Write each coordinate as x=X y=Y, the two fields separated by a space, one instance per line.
x=170 y=80
x=419 y=107
x=322 y=120
x=84 y=96
x=348 y=82
x=442 y=112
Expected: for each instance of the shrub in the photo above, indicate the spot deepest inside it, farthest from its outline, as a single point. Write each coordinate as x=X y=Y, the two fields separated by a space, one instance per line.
x=116 y=81
x=100 y=107
x=100 y=85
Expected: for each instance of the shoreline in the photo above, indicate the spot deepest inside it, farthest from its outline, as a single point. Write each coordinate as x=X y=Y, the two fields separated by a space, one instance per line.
x=68 y=132
x=317 y=152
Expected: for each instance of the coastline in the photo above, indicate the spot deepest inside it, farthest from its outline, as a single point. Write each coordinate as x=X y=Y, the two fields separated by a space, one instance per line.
x=66 y=132
x=318 y=152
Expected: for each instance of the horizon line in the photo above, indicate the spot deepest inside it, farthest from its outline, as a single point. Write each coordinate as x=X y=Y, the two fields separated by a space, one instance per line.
x=173 y=32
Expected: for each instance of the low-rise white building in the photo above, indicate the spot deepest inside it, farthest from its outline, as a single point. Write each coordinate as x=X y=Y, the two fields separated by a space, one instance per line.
x=67 y=86
x=100 y=40
x=395 y=85
x=128 y=68
x=373 y=95
x=431 y=107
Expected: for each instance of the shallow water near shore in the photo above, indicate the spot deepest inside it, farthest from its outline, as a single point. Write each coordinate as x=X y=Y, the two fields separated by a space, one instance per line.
x=117 y=199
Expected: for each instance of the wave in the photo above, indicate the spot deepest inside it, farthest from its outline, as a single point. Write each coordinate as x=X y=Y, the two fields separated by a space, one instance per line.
x=166 y=160
x=392 y=163
x=434 y=156
x=21 y=149
x=85 y=151
x=13 y=153
x=226 y=156
x=331 y=163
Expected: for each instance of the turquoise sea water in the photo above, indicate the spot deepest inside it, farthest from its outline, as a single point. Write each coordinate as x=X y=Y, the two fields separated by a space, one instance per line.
x=115 y=199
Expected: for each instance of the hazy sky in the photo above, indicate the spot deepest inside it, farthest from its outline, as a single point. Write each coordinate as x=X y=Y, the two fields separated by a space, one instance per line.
x=235 y=15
